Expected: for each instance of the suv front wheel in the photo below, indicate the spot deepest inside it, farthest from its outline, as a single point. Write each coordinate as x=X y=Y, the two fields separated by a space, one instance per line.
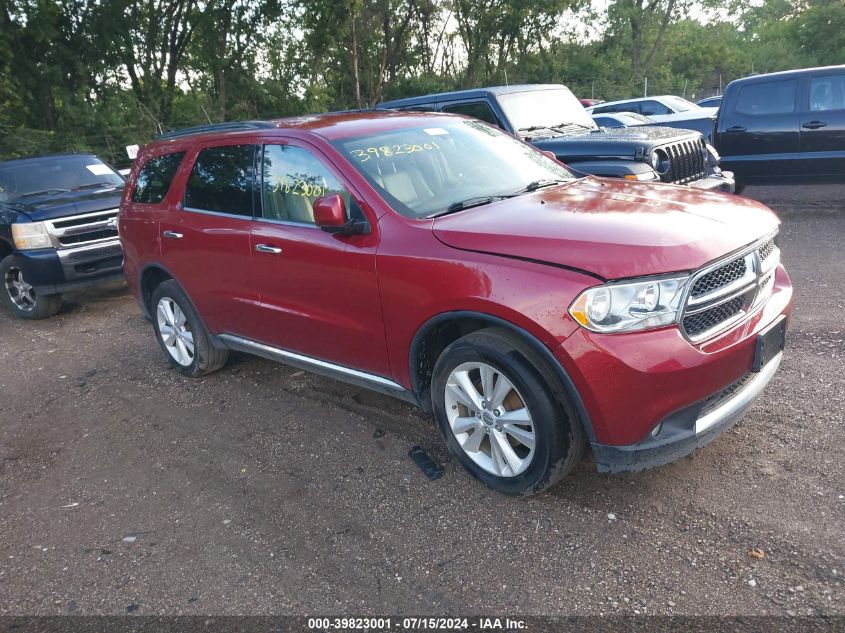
x=19 y=296
x=499 y=417
x=181 y=333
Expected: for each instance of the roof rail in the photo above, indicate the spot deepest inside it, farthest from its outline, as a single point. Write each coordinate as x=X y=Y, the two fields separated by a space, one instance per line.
x=231 y=126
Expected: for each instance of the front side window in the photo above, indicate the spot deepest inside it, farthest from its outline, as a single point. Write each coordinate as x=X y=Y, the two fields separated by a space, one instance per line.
x=477 y=110
x=771 y=97
x=827 y=93
x=292 y=178
x=155 y=178
x=426 y=170
x=221 y=180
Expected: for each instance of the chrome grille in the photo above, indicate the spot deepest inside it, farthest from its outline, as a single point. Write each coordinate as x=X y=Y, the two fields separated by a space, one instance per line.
x=81 y=230
x=723 y=294
x=722 y=276
x=708 y=319
x=687 y=161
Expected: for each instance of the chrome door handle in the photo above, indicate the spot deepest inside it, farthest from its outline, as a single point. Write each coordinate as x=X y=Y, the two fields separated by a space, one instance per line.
x=264 y=248
x=173 y=235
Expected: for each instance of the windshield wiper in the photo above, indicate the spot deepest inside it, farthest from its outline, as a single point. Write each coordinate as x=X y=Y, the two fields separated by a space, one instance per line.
x=563 y=126
x=539 y=184
x=41 y=193
x=469 y=203
x=95 y=185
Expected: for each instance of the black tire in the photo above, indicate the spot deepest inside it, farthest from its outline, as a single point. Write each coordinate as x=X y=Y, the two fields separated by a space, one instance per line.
x=559 y=443
x=32 y=306
x=207 y=358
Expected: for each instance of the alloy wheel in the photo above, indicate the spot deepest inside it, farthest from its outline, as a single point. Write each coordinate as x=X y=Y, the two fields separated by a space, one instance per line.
x=490 y=419
x=20 y=292
x=175 y=331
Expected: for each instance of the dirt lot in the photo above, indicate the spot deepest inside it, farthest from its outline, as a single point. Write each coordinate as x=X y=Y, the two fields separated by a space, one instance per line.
x=263 y=489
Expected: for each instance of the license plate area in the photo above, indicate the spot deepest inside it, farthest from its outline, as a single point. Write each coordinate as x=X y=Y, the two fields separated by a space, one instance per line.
x=770 y=343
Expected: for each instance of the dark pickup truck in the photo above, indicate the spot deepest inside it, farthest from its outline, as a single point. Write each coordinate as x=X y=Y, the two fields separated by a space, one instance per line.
x=787 y=125
x=551 y=118
x=58 y=230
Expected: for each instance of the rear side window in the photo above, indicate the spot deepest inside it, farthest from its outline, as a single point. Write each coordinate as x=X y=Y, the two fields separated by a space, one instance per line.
x=155 y=178
x=477 y=110
x=222 y=180
x=292 y=178
x=772 y=97
x=827 y=93
x=649 y=108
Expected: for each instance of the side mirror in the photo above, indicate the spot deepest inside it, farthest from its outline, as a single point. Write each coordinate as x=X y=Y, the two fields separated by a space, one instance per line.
x=330 y=215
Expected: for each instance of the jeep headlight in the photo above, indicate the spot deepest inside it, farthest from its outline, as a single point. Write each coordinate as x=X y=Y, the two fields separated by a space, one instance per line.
x=712 y=156
x=632 y=305
x=31 y=235
x=654 y=159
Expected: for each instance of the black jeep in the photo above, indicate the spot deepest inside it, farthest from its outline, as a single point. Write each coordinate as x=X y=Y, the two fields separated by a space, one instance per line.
x=550 y=117
x=58 y=230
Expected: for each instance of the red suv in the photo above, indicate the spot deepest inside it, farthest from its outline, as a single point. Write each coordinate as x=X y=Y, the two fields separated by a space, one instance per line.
x=439 y=260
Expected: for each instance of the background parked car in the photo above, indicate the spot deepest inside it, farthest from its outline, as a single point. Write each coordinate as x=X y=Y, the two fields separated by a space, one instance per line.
x=632 y=119
x=550 y=117
x=661 y=109
x=622 y=119
x=58 y=230
x=788 y=124
x=710 y=102
x=668 y=110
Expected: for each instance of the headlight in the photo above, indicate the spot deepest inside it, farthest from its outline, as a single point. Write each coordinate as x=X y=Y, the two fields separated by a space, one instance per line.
x=637 y=305
x=654 y=159
x=29 y=235
x=713 y=156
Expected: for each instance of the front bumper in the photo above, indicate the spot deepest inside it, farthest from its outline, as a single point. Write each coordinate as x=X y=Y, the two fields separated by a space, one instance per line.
x=53 y=271
x=683 y=432
x=717 y=181
x=631 y=383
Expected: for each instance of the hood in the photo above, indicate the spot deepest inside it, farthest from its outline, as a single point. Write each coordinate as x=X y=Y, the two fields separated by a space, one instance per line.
x=60 y=205
x=611 y=228
x=615 y=142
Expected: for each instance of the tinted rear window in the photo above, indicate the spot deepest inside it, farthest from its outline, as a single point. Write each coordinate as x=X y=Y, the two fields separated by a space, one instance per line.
x=773 y=97
x=222 y=180
x=155 y=178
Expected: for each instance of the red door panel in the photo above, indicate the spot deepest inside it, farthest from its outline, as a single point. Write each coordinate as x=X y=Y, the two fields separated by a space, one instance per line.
x=319 y=294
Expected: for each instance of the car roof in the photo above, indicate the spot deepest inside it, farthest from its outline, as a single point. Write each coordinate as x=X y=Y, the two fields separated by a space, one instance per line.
x=471 y=93
x=331 y=126
x=783 y=74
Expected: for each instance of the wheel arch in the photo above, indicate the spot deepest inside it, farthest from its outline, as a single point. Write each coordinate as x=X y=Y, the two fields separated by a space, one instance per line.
x=440 y=331
x=150 y=277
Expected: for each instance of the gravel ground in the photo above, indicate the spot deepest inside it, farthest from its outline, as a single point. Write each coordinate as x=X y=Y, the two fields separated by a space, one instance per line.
x=266 y=490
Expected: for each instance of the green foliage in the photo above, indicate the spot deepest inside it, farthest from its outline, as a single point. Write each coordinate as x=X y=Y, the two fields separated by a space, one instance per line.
x=88 y=75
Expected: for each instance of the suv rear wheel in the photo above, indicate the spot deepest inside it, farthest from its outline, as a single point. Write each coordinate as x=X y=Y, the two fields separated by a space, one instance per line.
x=181 y=333
x=20 y=298
x=499 y=417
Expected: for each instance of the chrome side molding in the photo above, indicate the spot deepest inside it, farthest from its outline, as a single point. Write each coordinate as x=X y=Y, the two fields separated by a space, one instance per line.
x=324 y=368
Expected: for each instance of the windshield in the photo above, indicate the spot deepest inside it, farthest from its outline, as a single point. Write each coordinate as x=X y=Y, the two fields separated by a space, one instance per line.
x=679 y=105
x=422 y=171
x=557 y=107
x=55 y=174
